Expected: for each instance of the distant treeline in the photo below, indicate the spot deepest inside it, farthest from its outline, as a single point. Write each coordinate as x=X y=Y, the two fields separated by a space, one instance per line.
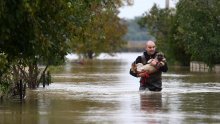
x=136 y=36
x=135 y=32
x=134 y=46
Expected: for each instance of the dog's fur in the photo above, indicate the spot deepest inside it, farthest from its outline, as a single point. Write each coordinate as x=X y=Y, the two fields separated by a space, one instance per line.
x=139 y=67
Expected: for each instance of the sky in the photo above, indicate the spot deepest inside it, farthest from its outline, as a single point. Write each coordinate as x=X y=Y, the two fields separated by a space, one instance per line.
x=140 y=7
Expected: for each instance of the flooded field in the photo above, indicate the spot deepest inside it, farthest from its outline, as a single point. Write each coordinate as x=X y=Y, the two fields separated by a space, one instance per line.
x=104 y=92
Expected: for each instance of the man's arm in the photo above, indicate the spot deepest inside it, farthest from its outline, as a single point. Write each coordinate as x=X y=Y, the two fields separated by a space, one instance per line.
x=164 y=68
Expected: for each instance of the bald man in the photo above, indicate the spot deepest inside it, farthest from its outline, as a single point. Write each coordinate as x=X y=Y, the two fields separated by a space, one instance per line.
x=152 y=82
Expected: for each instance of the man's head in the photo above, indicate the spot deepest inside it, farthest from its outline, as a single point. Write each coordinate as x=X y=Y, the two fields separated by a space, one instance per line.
x=150 y=47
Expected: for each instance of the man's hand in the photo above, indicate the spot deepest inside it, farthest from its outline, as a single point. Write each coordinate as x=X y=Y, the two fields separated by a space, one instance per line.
x=153 y=62
x=157 y=64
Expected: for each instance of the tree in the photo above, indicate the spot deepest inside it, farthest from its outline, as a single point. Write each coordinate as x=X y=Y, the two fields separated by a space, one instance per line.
x=39 y=32
x=98 y=28
x=161 y=23
x=32 y=33
x=198 y=28
x=191 y=32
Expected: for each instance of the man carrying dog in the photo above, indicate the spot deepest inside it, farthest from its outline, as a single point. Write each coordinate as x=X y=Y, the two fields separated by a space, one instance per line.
x=153 y=81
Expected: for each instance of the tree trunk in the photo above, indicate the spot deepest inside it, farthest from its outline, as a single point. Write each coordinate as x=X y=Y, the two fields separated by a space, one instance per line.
x=42 y=74
x=90 y=54
x=32 y=77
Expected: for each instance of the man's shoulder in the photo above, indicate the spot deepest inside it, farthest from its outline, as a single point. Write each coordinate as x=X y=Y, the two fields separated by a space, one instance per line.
x=143 y=54
x=138 y=59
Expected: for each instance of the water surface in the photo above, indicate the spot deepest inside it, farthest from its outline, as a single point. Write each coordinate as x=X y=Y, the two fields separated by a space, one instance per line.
x=104 y=92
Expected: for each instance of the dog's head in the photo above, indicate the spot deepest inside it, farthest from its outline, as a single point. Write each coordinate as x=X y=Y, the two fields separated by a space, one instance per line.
x=160 y=56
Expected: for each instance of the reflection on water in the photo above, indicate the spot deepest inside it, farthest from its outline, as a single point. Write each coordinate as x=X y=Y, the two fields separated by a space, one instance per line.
x=151 y=102
x=104 y=92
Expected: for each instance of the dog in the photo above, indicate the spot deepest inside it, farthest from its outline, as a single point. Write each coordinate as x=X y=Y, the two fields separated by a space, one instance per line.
x=139 y=67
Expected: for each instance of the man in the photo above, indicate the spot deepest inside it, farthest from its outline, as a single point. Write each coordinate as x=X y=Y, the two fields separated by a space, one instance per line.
x=153 y=81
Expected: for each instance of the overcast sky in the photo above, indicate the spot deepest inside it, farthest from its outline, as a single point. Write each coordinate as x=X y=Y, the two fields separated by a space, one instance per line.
x=141 y=6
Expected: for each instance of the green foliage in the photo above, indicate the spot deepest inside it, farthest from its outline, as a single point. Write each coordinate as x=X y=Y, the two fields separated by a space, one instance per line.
x=33 y=32
x=176 y=48
x=161 y=23
x=15 y=33
x=158 y=23
x=98 y=28
x=3 y=64
x=34 y=29
x=41 y=32
x=5 y=82
x=199 y=29
x=53 y=25
x=191 y=32
x=4 y=85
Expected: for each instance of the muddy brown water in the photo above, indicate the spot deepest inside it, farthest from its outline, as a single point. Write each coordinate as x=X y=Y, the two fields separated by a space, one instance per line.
x=104 y=92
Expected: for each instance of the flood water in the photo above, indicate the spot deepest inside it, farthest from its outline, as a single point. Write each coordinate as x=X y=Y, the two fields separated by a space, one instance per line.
x=102 y=91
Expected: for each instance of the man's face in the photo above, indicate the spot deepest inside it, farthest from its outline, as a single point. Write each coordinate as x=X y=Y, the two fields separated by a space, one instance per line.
x=150 y=47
